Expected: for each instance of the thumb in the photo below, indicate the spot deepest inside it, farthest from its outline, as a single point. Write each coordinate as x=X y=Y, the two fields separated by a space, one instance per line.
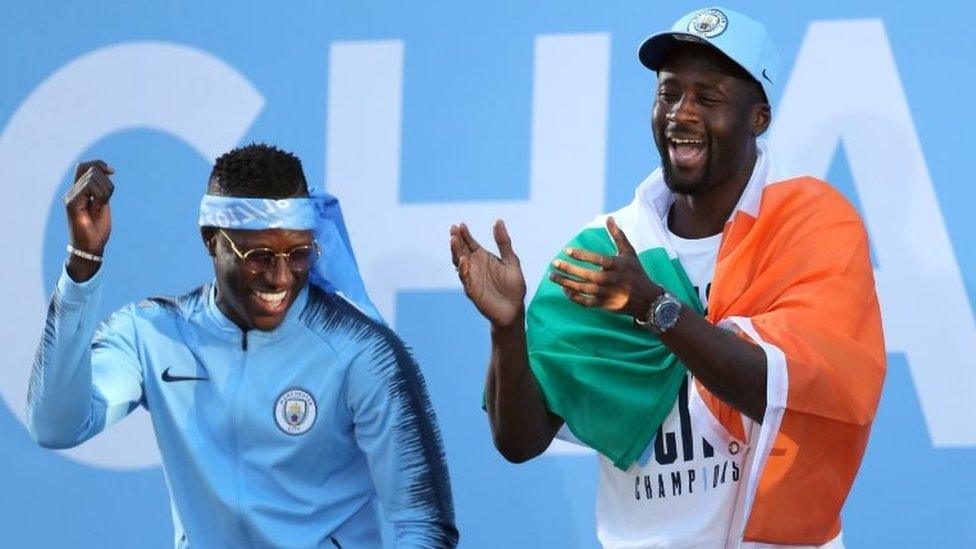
x=619 y=238
x=504 y=243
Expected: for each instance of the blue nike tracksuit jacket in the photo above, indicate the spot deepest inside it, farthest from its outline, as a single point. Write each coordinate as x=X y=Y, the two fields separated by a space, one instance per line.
x=284 y=438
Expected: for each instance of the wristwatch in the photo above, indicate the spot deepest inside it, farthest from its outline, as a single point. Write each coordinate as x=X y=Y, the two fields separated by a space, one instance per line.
x=662 y=315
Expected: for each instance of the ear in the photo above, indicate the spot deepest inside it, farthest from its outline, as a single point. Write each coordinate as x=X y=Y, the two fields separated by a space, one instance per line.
x=761 y=117
x=209 y=235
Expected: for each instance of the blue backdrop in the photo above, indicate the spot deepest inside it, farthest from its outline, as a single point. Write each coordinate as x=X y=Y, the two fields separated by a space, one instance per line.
x=422 y=114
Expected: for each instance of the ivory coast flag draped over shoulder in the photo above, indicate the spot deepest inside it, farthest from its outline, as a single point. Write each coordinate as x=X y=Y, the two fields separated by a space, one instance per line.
x=611 y=383
x=794 y=276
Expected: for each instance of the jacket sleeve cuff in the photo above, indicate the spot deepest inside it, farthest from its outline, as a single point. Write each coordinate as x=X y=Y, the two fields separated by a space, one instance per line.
x=77 y=293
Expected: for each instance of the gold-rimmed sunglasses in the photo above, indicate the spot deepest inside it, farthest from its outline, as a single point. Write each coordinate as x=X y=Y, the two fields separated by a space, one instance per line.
x=258 y=260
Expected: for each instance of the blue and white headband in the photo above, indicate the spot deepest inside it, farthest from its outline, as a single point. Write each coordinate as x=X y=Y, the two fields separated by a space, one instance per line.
x=336 y=271
x=255 y=214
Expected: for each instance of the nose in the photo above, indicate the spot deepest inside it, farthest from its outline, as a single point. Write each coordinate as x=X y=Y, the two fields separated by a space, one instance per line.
x=683 y=110
x=279 y=276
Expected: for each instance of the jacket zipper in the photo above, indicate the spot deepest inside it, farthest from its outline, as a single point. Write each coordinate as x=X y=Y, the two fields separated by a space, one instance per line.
x=234 y=411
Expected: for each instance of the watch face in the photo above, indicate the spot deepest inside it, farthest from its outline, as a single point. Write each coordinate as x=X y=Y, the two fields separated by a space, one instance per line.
x=666 y=314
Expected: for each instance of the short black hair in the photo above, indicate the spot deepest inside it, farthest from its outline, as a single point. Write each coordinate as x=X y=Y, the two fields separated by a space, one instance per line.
x=258 y=170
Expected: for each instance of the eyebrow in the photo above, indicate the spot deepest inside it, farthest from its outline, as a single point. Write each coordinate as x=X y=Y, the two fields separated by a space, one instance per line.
x=662 y=81
x=245 y=245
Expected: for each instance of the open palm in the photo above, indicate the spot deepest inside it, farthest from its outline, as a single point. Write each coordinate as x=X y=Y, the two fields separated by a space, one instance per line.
x=495 y=284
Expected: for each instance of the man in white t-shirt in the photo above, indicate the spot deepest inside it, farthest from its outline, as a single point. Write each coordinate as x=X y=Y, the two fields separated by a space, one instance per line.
x=762 y=441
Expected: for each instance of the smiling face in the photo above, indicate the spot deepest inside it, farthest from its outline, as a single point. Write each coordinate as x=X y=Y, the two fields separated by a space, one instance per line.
x=706 y=116
x=256 y=300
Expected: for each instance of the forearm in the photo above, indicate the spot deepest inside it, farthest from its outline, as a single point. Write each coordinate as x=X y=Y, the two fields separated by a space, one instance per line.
x=60 y=391
x=727 y=365
x=521 y=424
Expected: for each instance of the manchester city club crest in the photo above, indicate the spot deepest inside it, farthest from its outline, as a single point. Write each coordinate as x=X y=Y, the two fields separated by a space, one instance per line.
x=708 y=23
x=295 y=411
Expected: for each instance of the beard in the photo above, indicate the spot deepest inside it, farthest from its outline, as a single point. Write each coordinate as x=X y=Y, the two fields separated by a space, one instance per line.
x=685 y=185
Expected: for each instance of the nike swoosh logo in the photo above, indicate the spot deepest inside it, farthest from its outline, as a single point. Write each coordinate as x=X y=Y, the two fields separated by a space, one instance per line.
x=169 y=378
x=768 y=79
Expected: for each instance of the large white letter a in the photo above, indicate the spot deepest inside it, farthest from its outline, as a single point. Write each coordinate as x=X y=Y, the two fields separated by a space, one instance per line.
x=845 y=87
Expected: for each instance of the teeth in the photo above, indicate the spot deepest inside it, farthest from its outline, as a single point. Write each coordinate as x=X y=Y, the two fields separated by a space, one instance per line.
x=273 y=299
x=687 y=141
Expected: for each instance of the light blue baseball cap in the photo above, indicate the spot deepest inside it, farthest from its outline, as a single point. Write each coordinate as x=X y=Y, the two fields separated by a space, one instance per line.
x=740 y=38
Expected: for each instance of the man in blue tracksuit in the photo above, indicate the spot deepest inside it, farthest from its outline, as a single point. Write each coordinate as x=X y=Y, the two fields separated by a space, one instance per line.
x=283 y=410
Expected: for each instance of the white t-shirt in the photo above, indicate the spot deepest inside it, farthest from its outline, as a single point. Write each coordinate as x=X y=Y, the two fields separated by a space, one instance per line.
x=681 y=492
x=685 y=489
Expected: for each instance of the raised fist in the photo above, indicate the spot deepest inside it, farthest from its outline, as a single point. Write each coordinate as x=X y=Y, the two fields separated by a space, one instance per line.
x=89 y=215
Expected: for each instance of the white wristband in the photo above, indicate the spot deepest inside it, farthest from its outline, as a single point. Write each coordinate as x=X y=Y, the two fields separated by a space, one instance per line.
x=84 y=255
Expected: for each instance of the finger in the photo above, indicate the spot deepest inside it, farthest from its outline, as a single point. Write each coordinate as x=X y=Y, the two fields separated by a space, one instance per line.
x=77 y=194
x=578 y=286
x=99 y=195
x=105 y=183
x=457 y=249
x=103 y=166
x=100 y=165
x=81 y=169
x=619 y=238
x=579 y=272
x=100 y=189
x=504 y=243
x=463 y=267
x=461 y=243
x=468 y=240
x=589 y=257
x=464 y=270
x=582 y=299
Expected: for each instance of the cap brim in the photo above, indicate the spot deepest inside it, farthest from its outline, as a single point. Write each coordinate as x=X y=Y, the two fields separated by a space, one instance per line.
x=657 y=46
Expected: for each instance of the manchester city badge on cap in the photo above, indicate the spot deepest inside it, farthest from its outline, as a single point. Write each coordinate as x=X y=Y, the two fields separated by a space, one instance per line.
x=295 y=411
x=708 y=23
